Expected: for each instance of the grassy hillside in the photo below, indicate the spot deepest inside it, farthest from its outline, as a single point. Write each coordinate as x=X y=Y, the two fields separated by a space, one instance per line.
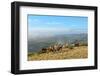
x=65 y=53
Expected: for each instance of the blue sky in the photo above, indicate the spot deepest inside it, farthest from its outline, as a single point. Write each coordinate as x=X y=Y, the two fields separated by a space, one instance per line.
x=57 y=24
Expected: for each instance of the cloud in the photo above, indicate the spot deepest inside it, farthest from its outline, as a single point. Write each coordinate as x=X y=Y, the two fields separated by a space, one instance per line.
x=32 y=21
x=35 y=20
x=50 y=32
x=46 y=32
x=53 y=23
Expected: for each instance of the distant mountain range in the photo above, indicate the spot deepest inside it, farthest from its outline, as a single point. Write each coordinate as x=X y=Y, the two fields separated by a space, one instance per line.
x=42 y=42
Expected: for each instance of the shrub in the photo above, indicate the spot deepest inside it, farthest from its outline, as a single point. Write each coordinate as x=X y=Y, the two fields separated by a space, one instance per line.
x=70 y=46
x=30 y=54
x=83 y=44
x=40 y=52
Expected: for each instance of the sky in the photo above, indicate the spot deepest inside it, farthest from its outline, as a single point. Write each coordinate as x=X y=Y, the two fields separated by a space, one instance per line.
x=50 y=25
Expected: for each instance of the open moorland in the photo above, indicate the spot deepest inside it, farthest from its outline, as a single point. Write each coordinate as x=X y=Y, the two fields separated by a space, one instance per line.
x=64 y=52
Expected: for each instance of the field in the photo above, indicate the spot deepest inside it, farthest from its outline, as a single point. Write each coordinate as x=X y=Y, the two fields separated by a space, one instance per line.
x=65 y=53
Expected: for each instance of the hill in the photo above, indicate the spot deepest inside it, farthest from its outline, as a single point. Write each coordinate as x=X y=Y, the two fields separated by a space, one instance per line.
x=80 y=52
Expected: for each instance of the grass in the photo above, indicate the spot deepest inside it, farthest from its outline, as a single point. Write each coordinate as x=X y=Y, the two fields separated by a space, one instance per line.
x=65 y=53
